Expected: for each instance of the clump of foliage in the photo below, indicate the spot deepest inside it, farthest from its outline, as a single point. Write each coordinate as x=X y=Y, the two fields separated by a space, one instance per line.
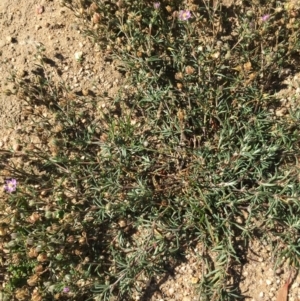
x=197 y=152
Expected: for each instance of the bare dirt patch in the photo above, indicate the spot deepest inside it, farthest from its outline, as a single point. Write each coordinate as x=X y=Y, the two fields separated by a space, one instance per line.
x=55 y=37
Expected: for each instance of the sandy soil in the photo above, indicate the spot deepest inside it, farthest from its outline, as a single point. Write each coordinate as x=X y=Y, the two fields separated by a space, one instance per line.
x=23 y=32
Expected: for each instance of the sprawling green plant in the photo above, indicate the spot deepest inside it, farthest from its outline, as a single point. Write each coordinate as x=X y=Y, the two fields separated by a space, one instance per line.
x=198 y=151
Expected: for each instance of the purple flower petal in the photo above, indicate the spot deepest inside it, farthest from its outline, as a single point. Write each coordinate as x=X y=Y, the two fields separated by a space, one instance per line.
x=11 y=185
x=156 y=5
x=66 y=289
x=184 y=15
x=265 y=18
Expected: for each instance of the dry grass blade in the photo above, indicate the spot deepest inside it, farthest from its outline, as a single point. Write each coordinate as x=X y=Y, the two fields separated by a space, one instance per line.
x=283 y=291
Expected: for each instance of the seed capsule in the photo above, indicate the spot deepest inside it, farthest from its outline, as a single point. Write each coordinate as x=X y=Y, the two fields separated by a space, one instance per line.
x=33 y=280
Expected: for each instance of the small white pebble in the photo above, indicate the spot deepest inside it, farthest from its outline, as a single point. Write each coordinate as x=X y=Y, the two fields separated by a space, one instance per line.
x=39 y=9
x=269 y=282
x=261 y=295
x=78 y=55
x=16 y=146
x=295 y=284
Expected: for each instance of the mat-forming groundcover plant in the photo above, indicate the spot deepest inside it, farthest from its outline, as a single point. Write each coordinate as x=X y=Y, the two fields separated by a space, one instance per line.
x=195 y=150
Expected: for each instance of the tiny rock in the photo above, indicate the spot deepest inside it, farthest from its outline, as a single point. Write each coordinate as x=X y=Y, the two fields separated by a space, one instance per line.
x=171 y=291
x=278 y=281
x=21 y=73
x=39 y=9
x=78 y=55
x=261 y=295
x=85 y=92
x=9 y=39
x=16 y=146
x=269 y=282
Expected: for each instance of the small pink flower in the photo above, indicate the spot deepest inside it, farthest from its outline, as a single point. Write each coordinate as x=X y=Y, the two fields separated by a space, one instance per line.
x=11 y=185
x=66 y=289
x=184 y=15
x=265 y=18
x=156 y=5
